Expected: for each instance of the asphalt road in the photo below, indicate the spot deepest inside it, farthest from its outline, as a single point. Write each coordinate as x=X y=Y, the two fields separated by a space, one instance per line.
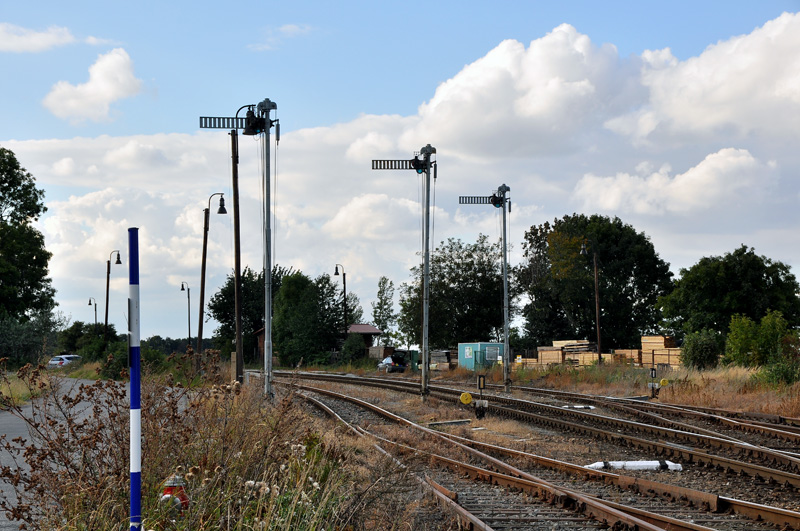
x=12 y=426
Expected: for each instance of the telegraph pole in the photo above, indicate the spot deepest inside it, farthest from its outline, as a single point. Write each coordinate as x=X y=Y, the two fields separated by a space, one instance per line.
x=499 y=200
x=420 y=165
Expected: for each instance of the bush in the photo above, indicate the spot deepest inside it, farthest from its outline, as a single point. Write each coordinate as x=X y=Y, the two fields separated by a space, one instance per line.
x=353 y=347
x=701 y=350
x=740 y=343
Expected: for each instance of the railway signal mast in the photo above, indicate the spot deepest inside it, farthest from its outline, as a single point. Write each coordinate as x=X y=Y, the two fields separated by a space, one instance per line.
x=499 y=200
x=421 y=163
x=256 y=121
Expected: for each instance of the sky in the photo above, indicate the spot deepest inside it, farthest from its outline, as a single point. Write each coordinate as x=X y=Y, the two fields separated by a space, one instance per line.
x=680 y=118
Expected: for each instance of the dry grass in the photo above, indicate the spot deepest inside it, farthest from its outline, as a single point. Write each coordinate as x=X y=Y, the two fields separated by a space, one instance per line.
x=247 y=463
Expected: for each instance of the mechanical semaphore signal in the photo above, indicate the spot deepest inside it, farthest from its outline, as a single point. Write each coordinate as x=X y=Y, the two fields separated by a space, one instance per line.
x=392 y=165
x=222 y=122
x=475 y=200
x=422 y=164
x=499 y=199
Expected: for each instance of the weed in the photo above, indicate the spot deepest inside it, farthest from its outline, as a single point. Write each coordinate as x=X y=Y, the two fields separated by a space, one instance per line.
x=247 y=463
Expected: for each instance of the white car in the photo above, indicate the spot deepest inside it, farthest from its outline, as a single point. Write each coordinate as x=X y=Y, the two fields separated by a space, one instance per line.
x=63 y=360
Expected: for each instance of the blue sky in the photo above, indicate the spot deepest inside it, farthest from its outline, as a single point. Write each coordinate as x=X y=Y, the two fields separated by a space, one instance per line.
x=680 y=118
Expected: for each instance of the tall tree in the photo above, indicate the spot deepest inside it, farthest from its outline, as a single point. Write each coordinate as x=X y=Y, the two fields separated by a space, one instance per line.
x=383 y=315
x=466 y=295
x=307 y=321
x=558 y=281
x=25 y=287
x=222 y=308
x=711 y=292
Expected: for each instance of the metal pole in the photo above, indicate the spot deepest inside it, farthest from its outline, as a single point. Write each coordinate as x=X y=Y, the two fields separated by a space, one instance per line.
x=237 y=273
x=597 y=308
x=506 y=352
x=189 y=313
x=135 y=383
x=426 y=151
x=344 y=291
x=199 y=353
x=108 y=282
x=264 y=108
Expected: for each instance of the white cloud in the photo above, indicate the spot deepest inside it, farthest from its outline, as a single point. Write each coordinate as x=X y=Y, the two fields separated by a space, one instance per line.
x=540 y=100
x=723 y=179
x=274 y=37
x=111 y=78
x=536 y=118
x=747 y=84
x=18 y=39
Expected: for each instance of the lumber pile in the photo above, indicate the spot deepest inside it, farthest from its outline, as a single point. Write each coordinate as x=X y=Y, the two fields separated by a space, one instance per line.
x=632 y=355
x=658 y=342
x=440 y=360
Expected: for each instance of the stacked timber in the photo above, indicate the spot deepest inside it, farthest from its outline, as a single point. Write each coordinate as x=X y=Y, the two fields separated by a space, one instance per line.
x=550 y=355
x=658 y=342
x=660 y=351
x=440 y=359
x=632 y=355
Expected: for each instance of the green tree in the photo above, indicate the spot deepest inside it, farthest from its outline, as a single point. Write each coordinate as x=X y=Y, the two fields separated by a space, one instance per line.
x=300 y=329
x=739 y=342
x=353 y=348
x=27 y=321
x=383 y=315
x=702 y=349
x=558 y=281
x=222 y=308
x=32 y=340
x=712 y=291
x=25 y=287
x=465 y=299
x=751 y=344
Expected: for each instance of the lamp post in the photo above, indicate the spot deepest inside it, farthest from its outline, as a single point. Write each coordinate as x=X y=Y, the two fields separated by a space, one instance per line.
x=108 y=282
x=95 y=312
x=596 y=299
x=188 y=309
x=206 y=216
x=344 y=291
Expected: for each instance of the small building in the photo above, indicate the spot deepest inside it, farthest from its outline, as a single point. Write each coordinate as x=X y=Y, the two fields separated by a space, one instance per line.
x=479 y=355
x=369 y=333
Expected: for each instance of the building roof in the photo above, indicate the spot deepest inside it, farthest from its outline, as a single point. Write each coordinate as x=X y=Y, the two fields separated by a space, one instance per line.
x=363 y=329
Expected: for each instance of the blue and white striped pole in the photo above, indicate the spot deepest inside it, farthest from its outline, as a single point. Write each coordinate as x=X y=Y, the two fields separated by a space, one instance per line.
x=135 y=374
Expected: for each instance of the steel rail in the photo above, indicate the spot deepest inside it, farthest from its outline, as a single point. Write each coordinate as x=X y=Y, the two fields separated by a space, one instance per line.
x=443 y=496
x=713 y=502
x=758 y=452
x=752 y=422
x=783 y=518
x=603 y=510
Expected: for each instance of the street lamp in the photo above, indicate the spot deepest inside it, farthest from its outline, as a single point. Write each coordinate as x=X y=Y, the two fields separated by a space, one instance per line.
x=206 y=217
x=95 y=312
x=185 y=287
x=344 y=292
x=108 y=282
x=596 y=298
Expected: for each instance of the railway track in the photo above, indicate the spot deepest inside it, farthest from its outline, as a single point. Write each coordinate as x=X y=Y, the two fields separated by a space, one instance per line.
x=762 y=464
x=698 y=510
